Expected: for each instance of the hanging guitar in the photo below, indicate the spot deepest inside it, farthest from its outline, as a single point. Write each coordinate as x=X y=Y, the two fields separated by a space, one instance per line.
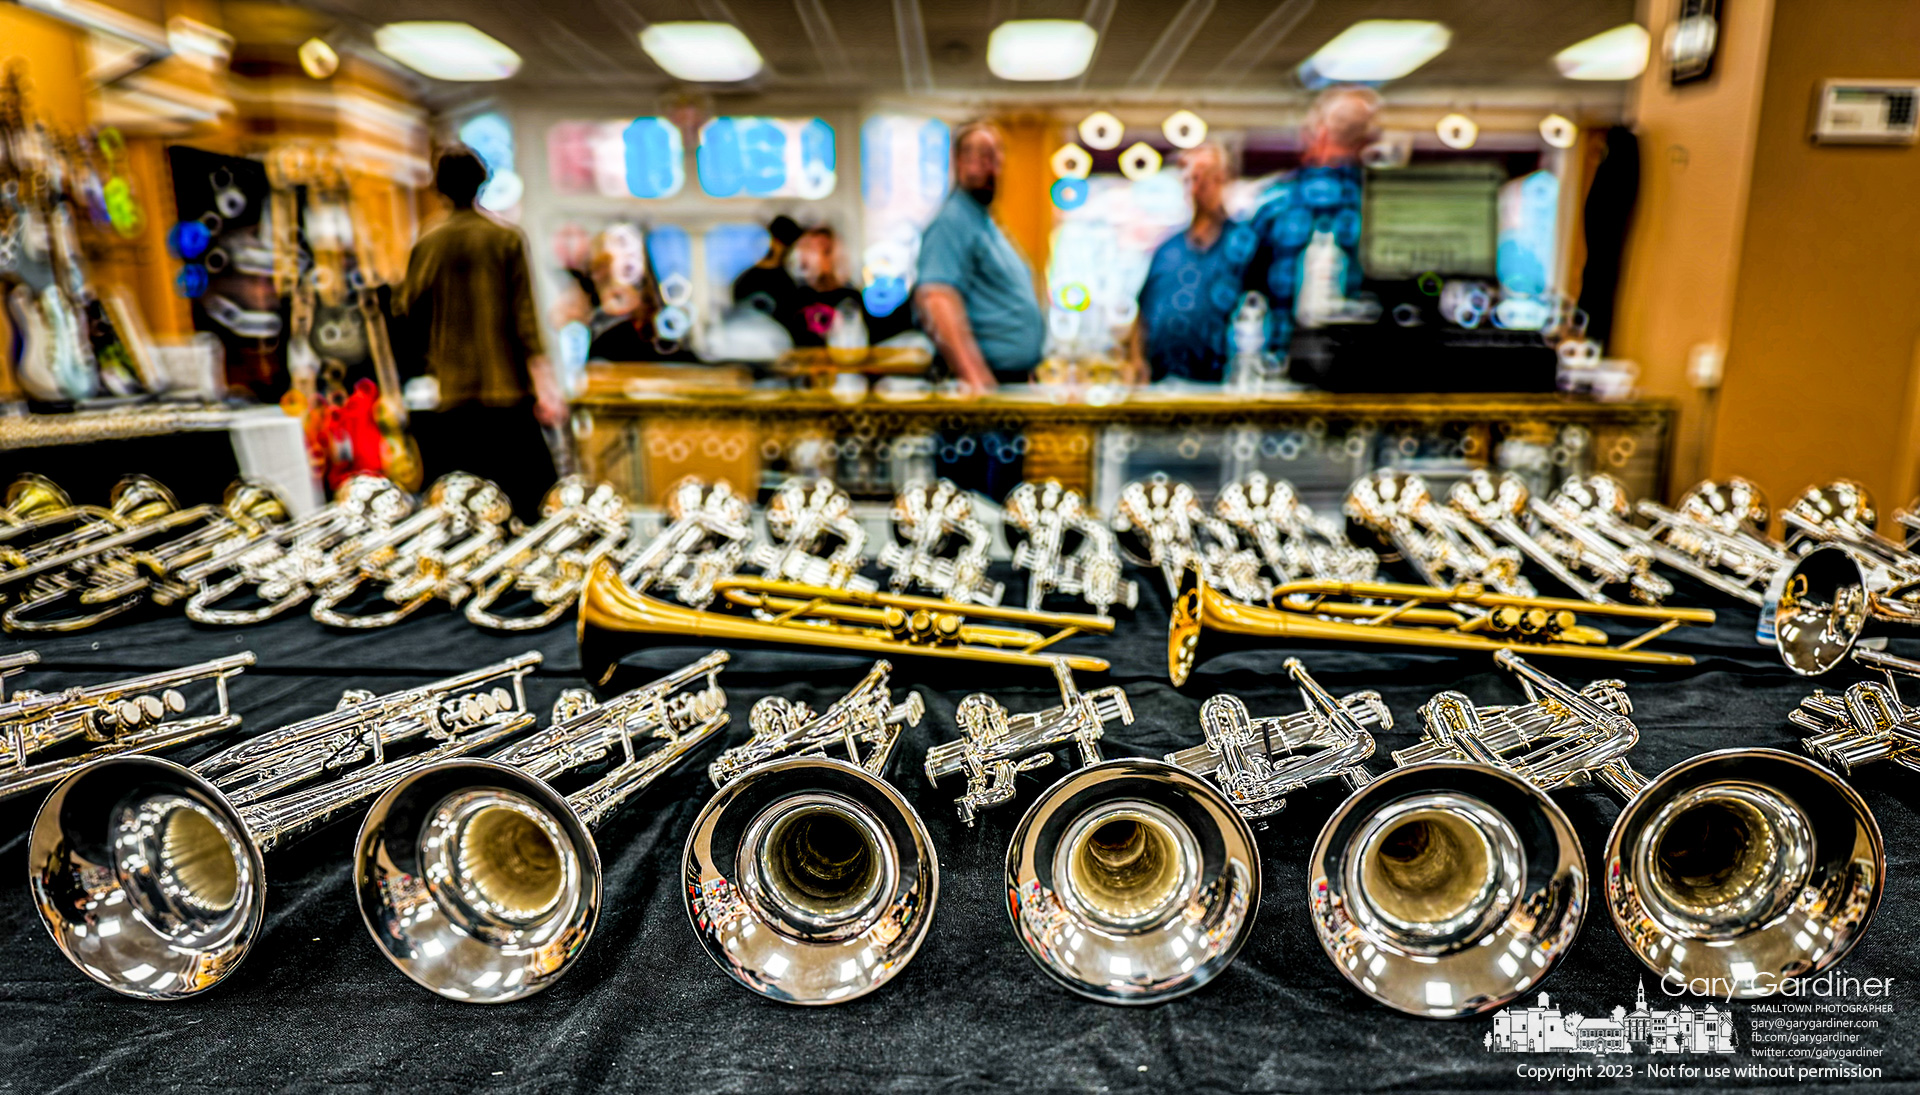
x=53 y=362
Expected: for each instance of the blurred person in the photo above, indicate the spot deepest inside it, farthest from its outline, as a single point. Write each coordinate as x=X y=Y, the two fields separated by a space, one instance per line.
x=468 y=299
x=975 y=292
x=622 y=322
x=1193 y=283
x=767 y=285
x=818 y=266
x=1320 y=200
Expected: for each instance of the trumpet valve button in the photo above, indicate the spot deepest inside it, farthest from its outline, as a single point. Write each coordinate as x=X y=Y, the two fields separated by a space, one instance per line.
x=175 y=702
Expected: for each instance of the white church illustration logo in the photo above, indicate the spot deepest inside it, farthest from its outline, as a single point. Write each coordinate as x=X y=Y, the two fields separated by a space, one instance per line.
x=1544 y=1028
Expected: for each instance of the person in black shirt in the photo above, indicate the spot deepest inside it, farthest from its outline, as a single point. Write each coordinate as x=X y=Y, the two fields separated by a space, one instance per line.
x=820 y=289
x=766 y=286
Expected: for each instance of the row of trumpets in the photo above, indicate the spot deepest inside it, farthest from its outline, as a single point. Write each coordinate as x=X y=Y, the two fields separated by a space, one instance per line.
x=1445 y=887
x=370 y=558
x=1257 y=564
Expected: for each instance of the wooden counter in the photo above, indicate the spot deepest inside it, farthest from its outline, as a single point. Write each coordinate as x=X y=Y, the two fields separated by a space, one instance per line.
x=643 y=427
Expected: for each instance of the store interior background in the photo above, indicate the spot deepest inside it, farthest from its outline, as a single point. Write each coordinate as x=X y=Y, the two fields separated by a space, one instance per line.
x=1768 y=281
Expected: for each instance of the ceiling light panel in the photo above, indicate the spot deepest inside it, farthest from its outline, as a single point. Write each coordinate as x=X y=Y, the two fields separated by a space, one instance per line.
x=447 y=51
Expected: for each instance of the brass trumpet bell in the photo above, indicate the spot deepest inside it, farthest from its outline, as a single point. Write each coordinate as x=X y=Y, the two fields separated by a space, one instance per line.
x=478 y=881
x=1132 y=881
x=810 y=881
x=165 y=851
x=1445 y=890
x=1740 y=868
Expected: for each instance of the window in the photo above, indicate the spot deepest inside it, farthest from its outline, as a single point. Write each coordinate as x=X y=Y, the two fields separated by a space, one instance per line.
x=641 y=158
x=748 y=157
x=904 y=164
x=490 y=136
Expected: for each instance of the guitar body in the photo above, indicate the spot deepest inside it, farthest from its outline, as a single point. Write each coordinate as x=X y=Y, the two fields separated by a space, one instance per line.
x=33 y=363
x=398 y=450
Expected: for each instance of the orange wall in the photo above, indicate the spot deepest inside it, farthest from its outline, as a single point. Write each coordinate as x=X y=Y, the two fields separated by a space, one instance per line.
x=1024 y=206
x=1677 y=281
x=1820 y=378
x=51 y=49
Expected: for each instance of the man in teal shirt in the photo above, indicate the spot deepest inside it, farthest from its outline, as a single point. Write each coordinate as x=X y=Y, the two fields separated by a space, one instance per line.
x=975 y=292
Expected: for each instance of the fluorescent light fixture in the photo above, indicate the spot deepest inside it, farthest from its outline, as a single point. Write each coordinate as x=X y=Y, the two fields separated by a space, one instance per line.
x=1375 y=50
x=1617 y=54
x=447 y=51
x=1040 y=49
x=702 y=53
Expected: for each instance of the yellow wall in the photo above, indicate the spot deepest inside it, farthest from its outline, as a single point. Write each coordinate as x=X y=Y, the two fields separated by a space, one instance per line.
x=1820 y=378
x=1677 y=280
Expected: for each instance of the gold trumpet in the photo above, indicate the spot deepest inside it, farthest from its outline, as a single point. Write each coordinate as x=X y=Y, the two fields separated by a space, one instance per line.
x=615 y=619
x=1465 y=617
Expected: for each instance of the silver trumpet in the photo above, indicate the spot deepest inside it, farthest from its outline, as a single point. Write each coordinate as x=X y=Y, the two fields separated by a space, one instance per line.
x=1064 y=548
x=707 y=537
x=809 y=878
x=141 y=714
x=578 y=526
x=1498 y=505
x=151 y=876
x=425 y=557
x=1442 y=547
x=1129 y=881
x=100 y=577
x=805 y=515
x=1740 y=867
x=994 y=747
x=479 y=879
x=1160 y=522
x=1712 y=536
x=1259 y=762
x=1867 y=723
x=1572 y=525
x=280 y=566
x=943 y=547
x=34 y=506
x=1850 y=577
x=1292 y=541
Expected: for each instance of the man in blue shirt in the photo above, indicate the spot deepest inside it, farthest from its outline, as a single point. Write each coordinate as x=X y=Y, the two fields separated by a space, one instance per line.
x=975 y=293
x=1194 y=281
x=1321 y=199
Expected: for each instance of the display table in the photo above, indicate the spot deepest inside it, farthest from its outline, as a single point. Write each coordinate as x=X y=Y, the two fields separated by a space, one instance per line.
x=643 y=427
x=316 y=1007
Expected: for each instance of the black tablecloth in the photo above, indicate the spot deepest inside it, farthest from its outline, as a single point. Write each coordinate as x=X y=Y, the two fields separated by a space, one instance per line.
x=317 y=1008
